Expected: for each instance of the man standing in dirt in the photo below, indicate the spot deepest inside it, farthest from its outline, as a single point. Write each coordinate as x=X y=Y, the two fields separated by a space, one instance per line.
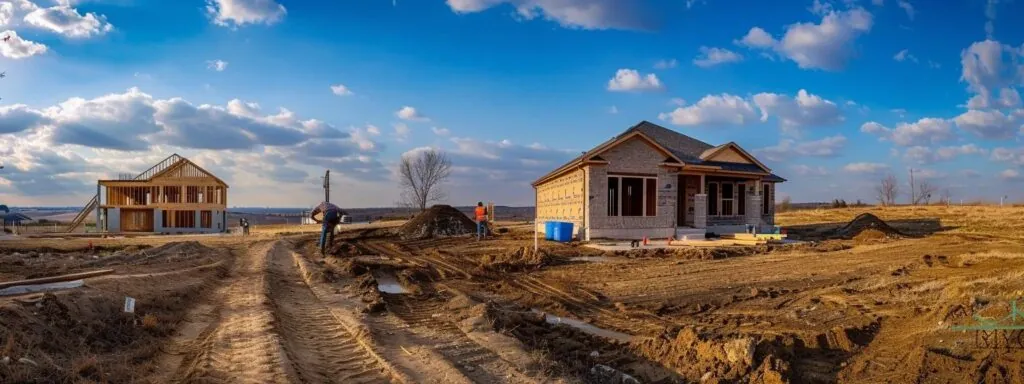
x=331 y=217
x=481 y=220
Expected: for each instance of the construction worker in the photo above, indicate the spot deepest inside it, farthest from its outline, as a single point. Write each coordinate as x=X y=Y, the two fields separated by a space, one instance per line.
x=331 y=218
x=481 y=220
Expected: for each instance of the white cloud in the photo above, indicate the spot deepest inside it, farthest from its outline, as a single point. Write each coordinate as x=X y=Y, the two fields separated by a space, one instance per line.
x=19 y=117
x=827 y=45
x=990 y=70
x=934 y=65
x=904 y=55
x=806 y=170
x=68 y=22
x=373 y=130
x=757 y=38
x=677 y=101
x=411 y=114
x=724 y=109
x=865 y=167
x=6 y=13
x=805 y=110
x=666 y=64
x=583 y=14
x=710 y=57
x=909 y=8
x=922 y=132
x=341 y=90
x=826 y=147
x=441 y=131
x=989 y=124
x=236 y=13
x=18 y=48
x=1010 y=175
x=990 y=14
x=613 y=110
x=627 y=80
x=925 y=155
x=217 y=65
x=401 y=131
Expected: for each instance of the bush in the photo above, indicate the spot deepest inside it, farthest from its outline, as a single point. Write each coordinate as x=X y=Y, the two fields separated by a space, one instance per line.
x=785 y=205
x=839 y=203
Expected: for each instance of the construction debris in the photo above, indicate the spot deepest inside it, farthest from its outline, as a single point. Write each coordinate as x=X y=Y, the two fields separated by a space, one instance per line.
x=867 y=222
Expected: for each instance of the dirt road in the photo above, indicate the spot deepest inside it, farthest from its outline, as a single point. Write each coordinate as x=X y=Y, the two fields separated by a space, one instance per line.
x=270 y=327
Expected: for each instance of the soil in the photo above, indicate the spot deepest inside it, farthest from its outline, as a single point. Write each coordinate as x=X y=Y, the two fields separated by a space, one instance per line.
x=437 y=221
x=873 y=306
x=867 y=222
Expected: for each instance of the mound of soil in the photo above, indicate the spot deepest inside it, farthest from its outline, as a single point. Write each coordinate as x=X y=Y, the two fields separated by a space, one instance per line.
x=438 y=221
x=343 y=249
x=520 y=259
x=693 y=355
x=864 y=222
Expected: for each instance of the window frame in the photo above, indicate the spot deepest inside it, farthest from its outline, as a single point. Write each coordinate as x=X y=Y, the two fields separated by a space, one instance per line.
x=619 y=195
x=722 y=199
x=766 y=203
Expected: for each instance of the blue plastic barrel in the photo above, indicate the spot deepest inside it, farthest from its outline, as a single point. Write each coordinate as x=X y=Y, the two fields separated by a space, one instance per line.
x=549 y=230
x=563 y=232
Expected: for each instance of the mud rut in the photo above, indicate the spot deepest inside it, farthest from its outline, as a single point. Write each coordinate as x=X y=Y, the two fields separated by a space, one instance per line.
x=272 y=328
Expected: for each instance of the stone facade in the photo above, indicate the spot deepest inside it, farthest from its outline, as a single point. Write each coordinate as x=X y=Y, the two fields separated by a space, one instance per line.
x=633 y=158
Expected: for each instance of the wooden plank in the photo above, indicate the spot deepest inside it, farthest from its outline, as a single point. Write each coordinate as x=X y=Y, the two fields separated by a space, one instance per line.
x=181 y=181
x=54 y=279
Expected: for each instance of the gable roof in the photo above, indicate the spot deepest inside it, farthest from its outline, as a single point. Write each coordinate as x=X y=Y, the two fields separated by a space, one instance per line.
x=682 y=148
x=708 y=154
x=169 y=164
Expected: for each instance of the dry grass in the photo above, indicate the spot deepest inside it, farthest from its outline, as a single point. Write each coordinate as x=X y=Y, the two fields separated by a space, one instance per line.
x=989 y=221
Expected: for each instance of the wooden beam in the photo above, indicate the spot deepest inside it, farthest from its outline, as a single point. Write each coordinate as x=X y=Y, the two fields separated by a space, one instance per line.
x=55 y=279
x=197 y=181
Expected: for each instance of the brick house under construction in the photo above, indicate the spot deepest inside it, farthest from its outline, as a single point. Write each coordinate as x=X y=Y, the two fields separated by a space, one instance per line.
x=174 y=196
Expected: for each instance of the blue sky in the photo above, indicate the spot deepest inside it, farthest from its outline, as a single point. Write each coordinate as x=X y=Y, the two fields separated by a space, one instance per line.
x=833 y=95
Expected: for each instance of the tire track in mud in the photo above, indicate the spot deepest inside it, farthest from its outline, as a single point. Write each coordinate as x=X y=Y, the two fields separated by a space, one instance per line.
x=319 y=349
x=242 y=346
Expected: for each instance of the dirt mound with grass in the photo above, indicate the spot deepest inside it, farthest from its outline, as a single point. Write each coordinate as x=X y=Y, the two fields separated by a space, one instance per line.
x=519 y=259
x=438 y=221
x=866 y=222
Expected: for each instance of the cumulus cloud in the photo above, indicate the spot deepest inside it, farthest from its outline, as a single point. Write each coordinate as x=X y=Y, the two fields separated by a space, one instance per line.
x=990 y=124
x=237 y=13
x=440 y=131
x=712 y=56
x=66 y=21
x=666 y=64
x=827 y=45
x=503 y=161
x=19 y=117
x=724 y=109
x=865 y=168
x=341 y=90
x=373 y=130
x=924 y=131
x=926 y=155
x=909 y=8
x=1010 y=175
x=827 y=147
x=1008 y=155
x=629 y=80
x=991 y=70
x=6 y=13
x=411 y=114
x=19 y=48
x=583 y=14
x=217 y=65
x=805 y=110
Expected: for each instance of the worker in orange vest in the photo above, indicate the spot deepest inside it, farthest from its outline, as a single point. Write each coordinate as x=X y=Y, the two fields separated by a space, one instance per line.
x=481 y=220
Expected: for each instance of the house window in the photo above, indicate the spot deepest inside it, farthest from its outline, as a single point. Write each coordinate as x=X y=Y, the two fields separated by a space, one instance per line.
x=632 y=196
x=712 y=199
x=742 y=199
x=728 y=198
x=767 y=199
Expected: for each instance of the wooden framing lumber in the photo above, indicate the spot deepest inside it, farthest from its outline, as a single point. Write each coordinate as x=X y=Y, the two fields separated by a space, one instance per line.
x=55 y=279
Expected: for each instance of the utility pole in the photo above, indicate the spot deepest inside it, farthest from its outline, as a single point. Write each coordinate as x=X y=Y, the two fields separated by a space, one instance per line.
x=913 y=198
x=1001 y=199
x=327 y=186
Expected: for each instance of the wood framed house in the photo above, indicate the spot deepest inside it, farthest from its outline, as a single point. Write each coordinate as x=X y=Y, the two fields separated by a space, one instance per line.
x=655 y=182
x=174 y=196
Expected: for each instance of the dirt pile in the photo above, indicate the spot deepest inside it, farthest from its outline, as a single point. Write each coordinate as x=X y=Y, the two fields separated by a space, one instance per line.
x=438 y=221
x=516 y=260
x=867 y=222
x=343 y=249
x=699 y=358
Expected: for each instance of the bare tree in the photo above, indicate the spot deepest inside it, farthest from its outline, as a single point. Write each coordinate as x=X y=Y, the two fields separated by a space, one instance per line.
x=421 y=175
x=887 y=190
x=925 y=190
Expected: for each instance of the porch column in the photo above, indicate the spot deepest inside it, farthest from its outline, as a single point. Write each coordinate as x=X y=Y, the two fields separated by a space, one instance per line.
x=700 y=206
x=753 y=213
